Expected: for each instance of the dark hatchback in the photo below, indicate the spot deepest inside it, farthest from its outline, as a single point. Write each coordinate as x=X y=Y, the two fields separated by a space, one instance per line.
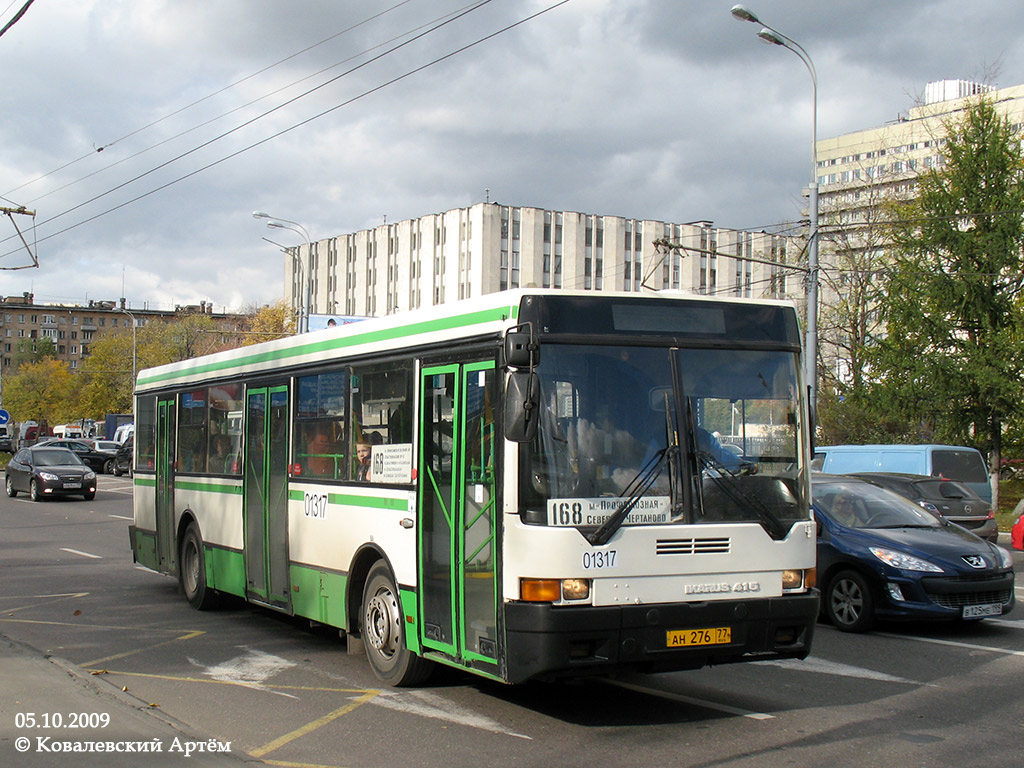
x=98 y=461
x=943 y=498
x=882 y=557
x=43 y=471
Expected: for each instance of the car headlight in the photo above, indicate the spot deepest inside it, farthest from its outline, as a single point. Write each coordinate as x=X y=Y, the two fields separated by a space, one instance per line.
x=1005 y=560
x=904 y=561
x=48 y=476
x=89 y=476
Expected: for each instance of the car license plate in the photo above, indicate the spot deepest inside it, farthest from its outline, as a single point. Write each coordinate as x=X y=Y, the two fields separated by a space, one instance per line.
x=685 y=638
x=72 y=485
x=977 y=611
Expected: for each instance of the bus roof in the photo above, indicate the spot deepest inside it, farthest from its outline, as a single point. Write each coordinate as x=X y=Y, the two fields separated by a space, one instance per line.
x=476 y=317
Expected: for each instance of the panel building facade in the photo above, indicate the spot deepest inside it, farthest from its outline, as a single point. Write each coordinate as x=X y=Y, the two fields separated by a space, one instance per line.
x=489 y=247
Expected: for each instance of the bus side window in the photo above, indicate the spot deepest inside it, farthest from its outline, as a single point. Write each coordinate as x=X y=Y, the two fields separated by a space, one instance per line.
x=320 y=417
x=382 y=412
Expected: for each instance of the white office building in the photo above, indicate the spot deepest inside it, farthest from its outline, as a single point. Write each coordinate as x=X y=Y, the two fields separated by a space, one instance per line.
x=489 y=247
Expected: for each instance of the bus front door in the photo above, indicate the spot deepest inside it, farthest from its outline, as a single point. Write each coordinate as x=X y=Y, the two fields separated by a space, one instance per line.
x=457 y=514
x=266 y=496
x=163 y=466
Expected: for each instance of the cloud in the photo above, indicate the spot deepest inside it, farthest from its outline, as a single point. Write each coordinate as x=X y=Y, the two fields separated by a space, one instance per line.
x=654 y=108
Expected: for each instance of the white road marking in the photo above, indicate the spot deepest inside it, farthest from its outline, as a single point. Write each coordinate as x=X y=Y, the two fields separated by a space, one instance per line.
x=954 y=644
x=439 y=708
x=251 y=670
x=83 y=554
x=703 y=703
x=821 y=666
x=121 y=517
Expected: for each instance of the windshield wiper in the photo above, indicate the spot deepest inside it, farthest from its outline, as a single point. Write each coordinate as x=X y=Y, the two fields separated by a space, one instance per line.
x=641 y=483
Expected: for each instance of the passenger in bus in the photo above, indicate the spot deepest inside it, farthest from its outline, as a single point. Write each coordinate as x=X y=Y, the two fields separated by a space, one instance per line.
x=220 y=459
x=364 y=452
x=319 y=453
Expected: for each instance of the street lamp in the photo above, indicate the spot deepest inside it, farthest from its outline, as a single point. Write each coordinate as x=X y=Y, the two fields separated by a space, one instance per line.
x=774 y=37
x=135 y=356
x=276 y=222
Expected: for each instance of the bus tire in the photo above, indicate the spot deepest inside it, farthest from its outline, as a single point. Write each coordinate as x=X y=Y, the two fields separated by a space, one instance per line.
x=382 y=626
x=192 y=571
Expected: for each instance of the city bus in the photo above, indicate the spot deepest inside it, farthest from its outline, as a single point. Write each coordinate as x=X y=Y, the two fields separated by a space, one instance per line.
x=532 y=484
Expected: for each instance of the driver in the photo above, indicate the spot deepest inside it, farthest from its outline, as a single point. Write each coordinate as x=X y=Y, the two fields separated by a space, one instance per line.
x=844 y=510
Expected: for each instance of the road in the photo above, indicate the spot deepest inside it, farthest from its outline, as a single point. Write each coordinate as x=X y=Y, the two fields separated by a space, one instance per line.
x=285 y=693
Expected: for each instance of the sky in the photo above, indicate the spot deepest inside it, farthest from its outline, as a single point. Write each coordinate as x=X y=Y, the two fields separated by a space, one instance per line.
x=144 y=133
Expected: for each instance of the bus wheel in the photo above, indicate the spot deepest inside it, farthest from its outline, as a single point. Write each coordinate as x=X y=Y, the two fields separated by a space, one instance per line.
x=192 y=571
x=383 y=632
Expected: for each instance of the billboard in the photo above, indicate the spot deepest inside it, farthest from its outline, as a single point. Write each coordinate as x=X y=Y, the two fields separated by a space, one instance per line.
x=319 y=322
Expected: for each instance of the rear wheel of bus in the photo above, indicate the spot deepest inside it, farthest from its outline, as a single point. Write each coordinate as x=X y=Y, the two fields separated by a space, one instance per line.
x=192 y=571
x=383 y=632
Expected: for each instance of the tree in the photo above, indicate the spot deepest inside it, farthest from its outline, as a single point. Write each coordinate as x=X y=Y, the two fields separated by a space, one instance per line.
x=43 y=391
x=953 y=351
x=33 y=351
x=271 y=321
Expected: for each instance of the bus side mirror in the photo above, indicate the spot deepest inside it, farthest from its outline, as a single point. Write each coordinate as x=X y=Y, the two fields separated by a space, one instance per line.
x=521 y=412
x=521 y=350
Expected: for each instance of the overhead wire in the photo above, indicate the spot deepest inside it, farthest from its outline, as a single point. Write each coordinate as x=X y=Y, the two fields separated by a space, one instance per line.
x=467 y=10
x=217 y=93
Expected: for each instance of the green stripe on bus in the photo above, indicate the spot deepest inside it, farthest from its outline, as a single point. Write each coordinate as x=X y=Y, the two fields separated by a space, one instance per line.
x=356 y=500
x=145 y=482
x=185 y=485
x=327 y=345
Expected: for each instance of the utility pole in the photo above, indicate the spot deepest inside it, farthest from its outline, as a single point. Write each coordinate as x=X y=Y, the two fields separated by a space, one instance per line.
x=9 y=212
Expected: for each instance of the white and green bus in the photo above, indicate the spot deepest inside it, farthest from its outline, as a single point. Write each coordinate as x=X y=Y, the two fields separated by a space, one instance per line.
x=530 y=484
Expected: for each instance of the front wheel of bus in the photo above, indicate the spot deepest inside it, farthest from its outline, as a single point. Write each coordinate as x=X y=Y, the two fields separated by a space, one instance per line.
x=383 y=632
x=192 y=571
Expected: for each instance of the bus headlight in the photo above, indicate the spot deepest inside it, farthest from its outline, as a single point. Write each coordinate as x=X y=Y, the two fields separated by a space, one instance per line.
x=553 y=590
x=794 y=579
x=575 y=589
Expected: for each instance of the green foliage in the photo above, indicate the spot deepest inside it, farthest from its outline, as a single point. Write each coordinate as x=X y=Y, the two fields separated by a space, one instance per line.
x=952 y=355
x=33 y=351
x=43 y=391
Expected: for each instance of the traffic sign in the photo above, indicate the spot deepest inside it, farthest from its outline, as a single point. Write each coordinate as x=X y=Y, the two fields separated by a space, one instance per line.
x=4 y=416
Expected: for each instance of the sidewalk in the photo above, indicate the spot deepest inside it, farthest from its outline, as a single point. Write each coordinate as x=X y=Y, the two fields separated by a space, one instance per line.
x=50 y=691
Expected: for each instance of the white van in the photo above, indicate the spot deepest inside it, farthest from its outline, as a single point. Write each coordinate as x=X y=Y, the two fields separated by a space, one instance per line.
x=123 y=432
x=954 y=462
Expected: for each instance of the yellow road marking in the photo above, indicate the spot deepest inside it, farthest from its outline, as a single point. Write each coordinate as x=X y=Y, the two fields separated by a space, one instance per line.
x=187 y=636
x=310 y=727
x=49 y=601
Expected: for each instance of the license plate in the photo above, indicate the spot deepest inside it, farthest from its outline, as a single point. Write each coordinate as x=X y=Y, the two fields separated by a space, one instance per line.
x=685 y=638
x=988 y=609
x=72 y=485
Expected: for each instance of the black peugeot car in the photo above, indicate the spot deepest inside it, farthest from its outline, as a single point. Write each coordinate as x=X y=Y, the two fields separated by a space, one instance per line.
x=882 y=556
x=43 y=471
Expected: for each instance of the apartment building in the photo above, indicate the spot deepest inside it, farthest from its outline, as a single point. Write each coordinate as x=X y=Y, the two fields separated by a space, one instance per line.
x=73 y=327
x=489 y=247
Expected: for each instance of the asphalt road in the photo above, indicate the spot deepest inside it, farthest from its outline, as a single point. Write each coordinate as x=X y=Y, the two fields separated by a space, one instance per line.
x=284 y=693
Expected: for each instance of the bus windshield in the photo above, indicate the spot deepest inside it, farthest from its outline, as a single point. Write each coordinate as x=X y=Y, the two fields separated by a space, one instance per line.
x=732 y=453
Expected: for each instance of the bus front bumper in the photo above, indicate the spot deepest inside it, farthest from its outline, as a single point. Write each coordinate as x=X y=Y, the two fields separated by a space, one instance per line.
x=548 y=641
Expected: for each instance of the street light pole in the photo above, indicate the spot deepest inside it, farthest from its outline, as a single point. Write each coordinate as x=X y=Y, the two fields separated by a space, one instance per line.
x=135 y=357
x=774 y=37
x=276 y=222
